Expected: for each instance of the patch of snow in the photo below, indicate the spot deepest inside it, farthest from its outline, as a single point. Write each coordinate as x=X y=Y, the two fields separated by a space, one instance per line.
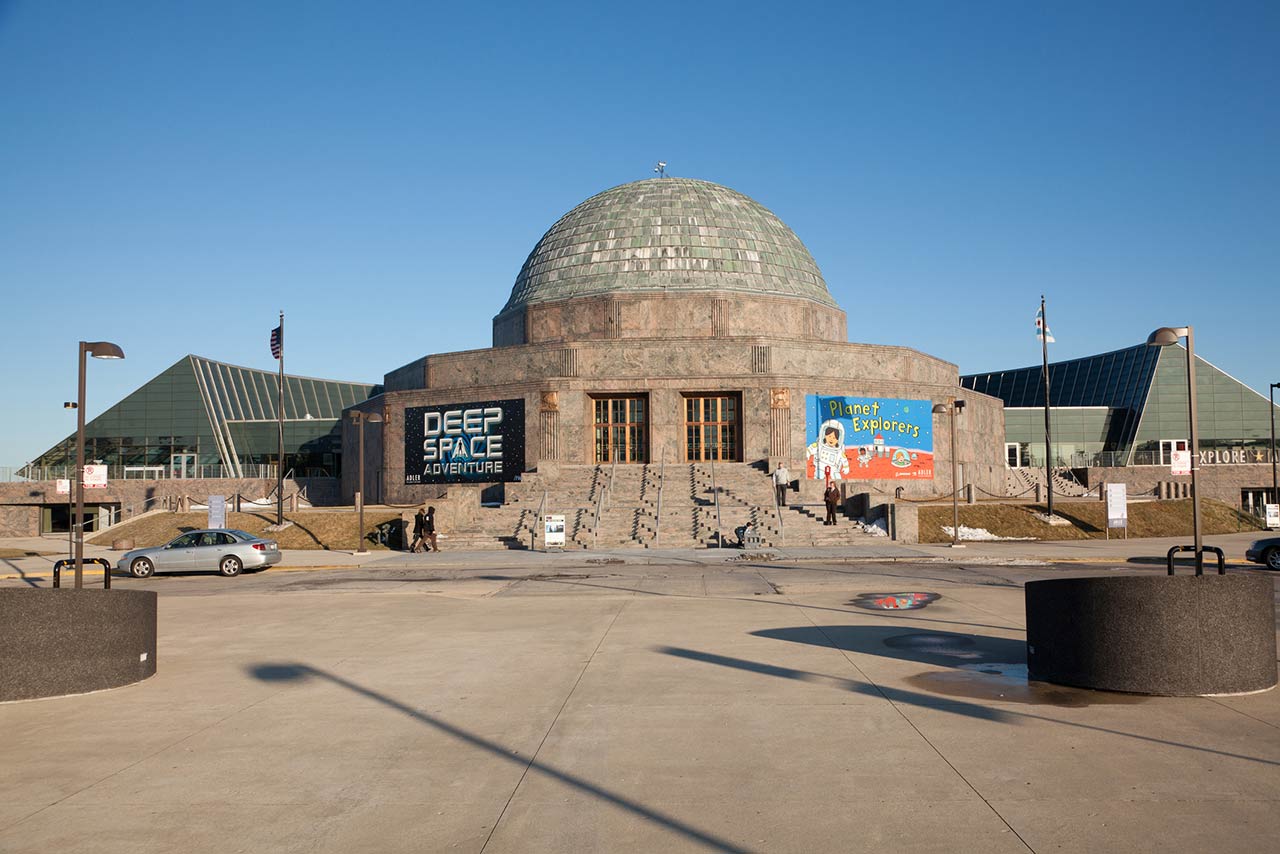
x=979 y=534
x=878 y=528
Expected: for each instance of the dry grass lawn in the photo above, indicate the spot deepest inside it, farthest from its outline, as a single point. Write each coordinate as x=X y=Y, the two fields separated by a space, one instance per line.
x=312 y=529
x=9 y=554
x=1088 y=520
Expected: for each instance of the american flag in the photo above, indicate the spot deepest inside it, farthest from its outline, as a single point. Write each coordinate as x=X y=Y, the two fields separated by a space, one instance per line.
x=277 y=341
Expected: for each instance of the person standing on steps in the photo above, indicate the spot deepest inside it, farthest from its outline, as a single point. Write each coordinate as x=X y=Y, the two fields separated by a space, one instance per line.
x=429 y=529
x=781 y=480
x=831 y=498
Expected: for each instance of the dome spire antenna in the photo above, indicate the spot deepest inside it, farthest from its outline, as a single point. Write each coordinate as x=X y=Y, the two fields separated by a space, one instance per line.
x=661 y=169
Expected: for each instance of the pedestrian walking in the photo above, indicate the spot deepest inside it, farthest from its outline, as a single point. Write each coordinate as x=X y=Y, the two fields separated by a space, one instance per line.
x=781 y=481
x=419 y=528
x=831 y=498
x=429 y=529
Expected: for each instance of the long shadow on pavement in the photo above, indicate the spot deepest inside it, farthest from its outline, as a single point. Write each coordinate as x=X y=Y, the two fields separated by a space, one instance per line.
x=899 y=696
x=294 y=672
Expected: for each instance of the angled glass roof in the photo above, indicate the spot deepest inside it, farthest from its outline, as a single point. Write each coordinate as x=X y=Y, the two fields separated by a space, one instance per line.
x=1119 y=380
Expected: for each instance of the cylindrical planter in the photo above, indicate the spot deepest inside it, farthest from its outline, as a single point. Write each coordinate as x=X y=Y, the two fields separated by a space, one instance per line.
x=1176 y=636
x=60 y=641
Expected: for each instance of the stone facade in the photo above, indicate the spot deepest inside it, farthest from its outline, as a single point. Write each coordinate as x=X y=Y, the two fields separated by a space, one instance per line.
x=773 y=413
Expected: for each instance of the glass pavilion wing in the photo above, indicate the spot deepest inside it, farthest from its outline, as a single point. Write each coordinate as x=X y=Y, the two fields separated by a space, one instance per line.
x=1119 y=380
x=207 y=409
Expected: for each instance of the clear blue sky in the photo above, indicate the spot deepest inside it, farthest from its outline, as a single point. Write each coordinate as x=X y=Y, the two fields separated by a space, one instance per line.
x=173 y=174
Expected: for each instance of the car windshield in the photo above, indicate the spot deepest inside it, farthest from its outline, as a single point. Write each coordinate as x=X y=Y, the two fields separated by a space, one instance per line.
x=241 y=534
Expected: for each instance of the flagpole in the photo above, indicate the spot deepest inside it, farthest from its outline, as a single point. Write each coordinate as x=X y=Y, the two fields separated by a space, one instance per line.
x=1048 y=440
x=280 y=433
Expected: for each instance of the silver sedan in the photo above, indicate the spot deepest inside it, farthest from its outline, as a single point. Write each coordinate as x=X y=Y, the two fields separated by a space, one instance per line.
x=225 y=549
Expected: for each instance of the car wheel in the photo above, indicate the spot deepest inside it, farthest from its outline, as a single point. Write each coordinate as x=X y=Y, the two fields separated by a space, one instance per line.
x=142 y=568
x=1273 y=558
x=230 y=566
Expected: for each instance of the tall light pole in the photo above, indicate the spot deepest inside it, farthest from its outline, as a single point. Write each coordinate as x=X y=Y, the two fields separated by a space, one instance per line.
x=360 y=419
x=942 y=408
x=1275 y=493
x=99 y=350
x=71 y=502
x=1163 y=337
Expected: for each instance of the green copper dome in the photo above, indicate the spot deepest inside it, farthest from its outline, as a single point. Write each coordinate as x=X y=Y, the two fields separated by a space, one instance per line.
x=665 y=235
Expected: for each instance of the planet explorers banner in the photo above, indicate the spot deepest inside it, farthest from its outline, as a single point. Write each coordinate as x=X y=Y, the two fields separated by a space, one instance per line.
x=868 y=438
x=464 y=442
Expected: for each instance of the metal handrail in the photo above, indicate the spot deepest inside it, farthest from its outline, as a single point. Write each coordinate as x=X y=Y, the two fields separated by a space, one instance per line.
x=613 y=470
x=777 y=509
x=595 y=523
x=662 y=482
x=715 y=490
x=537 y=522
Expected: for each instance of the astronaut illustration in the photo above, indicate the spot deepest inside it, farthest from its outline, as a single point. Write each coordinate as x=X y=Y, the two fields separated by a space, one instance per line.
x=828 y=452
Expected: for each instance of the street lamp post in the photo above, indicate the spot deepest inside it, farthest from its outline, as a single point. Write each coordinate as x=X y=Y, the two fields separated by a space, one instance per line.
x=1163 y=337
x=1275 y=493
x=360 y=419
x=955 y=407
x=99 y=350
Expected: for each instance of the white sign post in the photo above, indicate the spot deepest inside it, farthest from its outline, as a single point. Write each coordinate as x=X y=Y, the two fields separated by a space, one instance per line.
x=1273 y=515
x=553 y=532
x=1117 y=508
x=1180 y=462
x=95 y=477
x=217 y=511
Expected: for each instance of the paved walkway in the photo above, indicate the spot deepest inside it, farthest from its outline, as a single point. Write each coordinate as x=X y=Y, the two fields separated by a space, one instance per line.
x=749 y=707
x=1135 y=551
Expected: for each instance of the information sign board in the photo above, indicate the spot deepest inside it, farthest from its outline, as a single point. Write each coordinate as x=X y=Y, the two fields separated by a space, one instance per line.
x=64 y=486
x=1273 y=515
x=553 y=531
x=1117 y=506
x=217 y=511
x=1180 y=462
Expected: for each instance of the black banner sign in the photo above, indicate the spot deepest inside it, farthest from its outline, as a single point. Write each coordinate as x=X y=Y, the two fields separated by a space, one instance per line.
x=464 y=442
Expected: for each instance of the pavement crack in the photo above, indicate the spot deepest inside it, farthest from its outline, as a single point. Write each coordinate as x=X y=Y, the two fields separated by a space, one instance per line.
x=843 y=652
x=533 y=758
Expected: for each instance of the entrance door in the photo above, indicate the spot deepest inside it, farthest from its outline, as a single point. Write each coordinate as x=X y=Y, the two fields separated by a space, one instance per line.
x=182 y=465
x=621 y=429
x=1011 y=455
x=711 y=427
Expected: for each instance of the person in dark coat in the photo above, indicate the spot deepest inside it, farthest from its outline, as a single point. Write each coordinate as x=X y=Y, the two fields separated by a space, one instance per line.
x=832 y=499
x=419 y=528
x=429 y=529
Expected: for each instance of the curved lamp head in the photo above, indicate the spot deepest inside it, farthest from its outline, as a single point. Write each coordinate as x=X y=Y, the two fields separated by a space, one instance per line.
x=940 y=409
x=373 y=418
x=1166 y=335
x=103 y=350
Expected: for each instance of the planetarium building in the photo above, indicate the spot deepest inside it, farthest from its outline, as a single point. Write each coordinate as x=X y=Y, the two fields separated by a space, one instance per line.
x=674 y=322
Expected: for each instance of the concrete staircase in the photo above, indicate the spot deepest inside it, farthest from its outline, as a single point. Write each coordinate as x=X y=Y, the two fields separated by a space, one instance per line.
x=650 y=506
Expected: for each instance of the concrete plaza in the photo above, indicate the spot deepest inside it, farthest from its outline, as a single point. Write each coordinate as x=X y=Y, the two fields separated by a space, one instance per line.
x=750 y=705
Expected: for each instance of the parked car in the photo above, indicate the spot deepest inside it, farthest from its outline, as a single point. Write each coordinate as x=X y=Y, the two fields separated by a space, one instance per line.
x=1265 y=552
x=223 y=549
